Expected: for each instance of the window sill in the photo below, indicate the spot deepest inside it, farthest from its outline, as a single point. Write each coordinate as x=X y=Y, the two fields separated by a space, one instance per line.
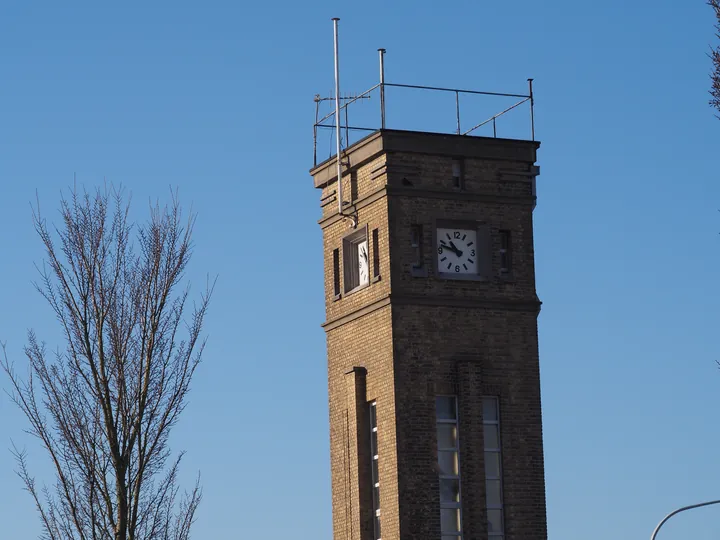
x=357 y=289
x=507 y=277
x=419 y=271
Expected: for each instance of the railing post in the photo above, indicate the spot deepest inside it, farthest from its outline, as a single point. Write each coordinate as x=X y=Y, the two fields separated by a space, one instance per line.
x=382 y=87
x=317 y=112
x=457 y=110
x=347 y=128
x=532 y=109
x=494 y=128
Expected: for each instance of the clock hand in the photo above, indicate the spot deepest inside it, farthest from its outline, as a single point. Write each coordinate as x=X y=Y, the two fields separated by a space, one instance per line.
x=451 y=247
x=456 y=250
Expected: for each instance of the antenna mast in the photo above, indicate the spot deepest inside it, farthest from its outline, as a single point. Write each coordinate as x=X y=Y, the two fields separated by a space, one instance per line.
x=337 y=115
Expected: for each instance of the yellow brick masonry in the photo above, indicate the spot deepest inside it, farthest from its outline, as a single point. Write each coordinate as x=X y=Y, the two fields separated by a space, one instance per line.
x=404 y=339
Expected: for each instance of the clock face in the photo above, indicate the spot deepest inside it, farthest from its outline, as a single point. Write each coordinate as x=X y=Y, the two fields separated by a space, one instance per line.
x=363 y=263
x=456 y=251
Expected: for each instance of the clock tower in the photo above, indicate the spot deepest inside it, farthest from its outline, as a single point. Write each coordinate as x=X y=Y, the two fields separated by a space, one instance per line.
x=431 y=325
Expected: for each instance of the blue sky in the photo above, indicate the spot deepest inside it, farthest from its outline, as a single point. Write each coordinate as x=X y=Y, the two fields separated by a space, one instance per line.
x=216 y=100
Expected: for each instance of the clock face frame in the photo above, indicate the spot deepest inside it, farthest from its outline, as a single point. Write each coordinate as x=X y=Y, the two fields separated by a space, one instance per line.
x=356 y=260
x=459 y=249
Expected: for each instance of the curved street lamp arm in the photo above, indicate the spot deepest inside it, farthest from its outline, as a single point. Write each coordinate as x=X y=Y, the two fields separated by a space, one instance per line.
x=671 y=514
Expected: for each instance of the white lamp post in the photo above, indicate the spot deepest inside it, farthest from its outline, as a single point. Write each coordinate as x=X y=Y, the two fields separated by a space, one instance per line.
x=671 y=514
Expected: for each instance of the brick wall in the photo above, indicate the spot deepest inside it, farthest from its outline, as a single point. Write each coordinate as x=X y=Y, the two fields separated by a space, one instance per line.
x=417 y=335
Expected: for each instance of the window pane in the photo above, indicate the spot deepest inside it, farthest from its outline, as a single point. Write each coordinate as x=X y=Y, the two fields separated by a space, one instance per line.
x=373 y=442
x=491 y=437
x=490 y=409
x=492 y=464
x=450 y=520
x=373 y=418
x=449 y=490
x=377 y=527
x=375 y=470
x=492 y=492
x=445 y=407
x=376 y=496
x=448 y=463
x=447 y=436
x=495 y=521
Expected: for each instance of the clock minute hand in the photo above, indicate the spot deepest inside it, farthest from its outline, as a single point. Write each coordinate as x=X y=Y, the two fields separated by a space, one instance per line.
x=451 y=247
x=455 y=249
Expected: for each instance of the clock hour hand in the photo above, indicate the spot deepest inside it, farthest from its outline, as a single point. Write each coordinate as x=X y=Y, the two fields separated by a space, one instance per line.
x=451 y=247
x=456 y=250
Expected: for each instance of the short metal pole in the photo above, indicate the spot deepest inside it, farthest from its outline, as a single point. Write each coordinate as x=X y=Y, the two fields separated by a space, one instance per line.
x=494 y=128
x=532 y=109
x=671 y=514
x=457 y=110
x=382 y=87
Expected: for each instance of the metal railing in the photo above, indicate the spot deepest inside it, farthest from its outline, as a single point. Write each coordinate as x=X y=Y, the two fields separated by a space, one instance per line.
x=322 y=122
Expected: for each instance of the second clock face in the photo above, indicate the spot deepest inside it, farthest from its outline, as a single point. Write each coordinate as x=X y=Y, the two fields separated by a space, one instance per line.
x=363 y=263
x=457 y=251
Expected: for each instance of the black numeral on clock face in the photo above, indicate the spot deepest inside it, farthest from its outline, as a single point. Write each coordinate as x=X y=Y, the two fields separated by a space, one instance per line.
x=456 y=234
x=457 y=268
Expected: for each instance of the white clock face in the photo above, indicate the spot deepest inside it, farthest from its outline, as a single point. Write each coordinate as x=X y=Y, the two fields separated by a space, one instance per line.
x=363 y=263
x=457 y=251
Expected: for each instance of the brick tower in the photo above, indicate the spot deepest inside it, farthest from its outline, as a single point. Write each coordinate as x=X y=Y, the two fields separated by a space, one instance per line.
x=434 y=390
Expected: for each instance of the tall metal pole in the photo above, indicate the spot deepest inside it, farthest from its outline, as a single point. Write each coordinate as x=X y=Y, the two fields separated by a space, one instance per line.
x=337 y=115
x=671 y=514
x=382 y=88
x=532 y=109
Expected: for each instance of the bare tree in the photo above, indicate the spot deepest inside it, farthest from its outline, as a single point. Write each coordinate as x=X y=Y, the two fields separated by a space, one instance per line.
x=715 y=56
x=104 y=404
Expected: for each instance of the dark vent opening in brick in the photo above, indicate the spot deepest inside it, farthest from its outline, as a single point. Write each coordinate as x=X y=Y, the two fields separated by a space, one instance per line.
x=416 y=242
x=505 y=252
x=457 y=173
x=336 y=272
x=376 y=253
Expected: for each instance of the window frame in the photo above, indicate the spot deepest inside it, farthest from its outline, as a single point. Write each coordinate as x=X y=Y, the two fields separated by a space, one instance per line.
x=351 y=276
x=375 y=469
x=450 y=505
x=494 y=450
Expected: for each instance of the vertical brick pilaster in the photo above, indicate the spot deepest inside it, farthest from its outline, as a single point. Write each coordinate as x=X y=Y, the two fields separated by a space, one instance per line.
x=472 y=464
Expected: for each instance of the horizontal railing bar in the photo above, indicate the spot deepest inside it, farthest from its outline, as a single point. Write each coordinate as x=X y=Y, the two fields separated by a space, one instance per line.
x=346 y=127
x=456 y=90
x=342 y=98
x=497 y=115
x=329 y=115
